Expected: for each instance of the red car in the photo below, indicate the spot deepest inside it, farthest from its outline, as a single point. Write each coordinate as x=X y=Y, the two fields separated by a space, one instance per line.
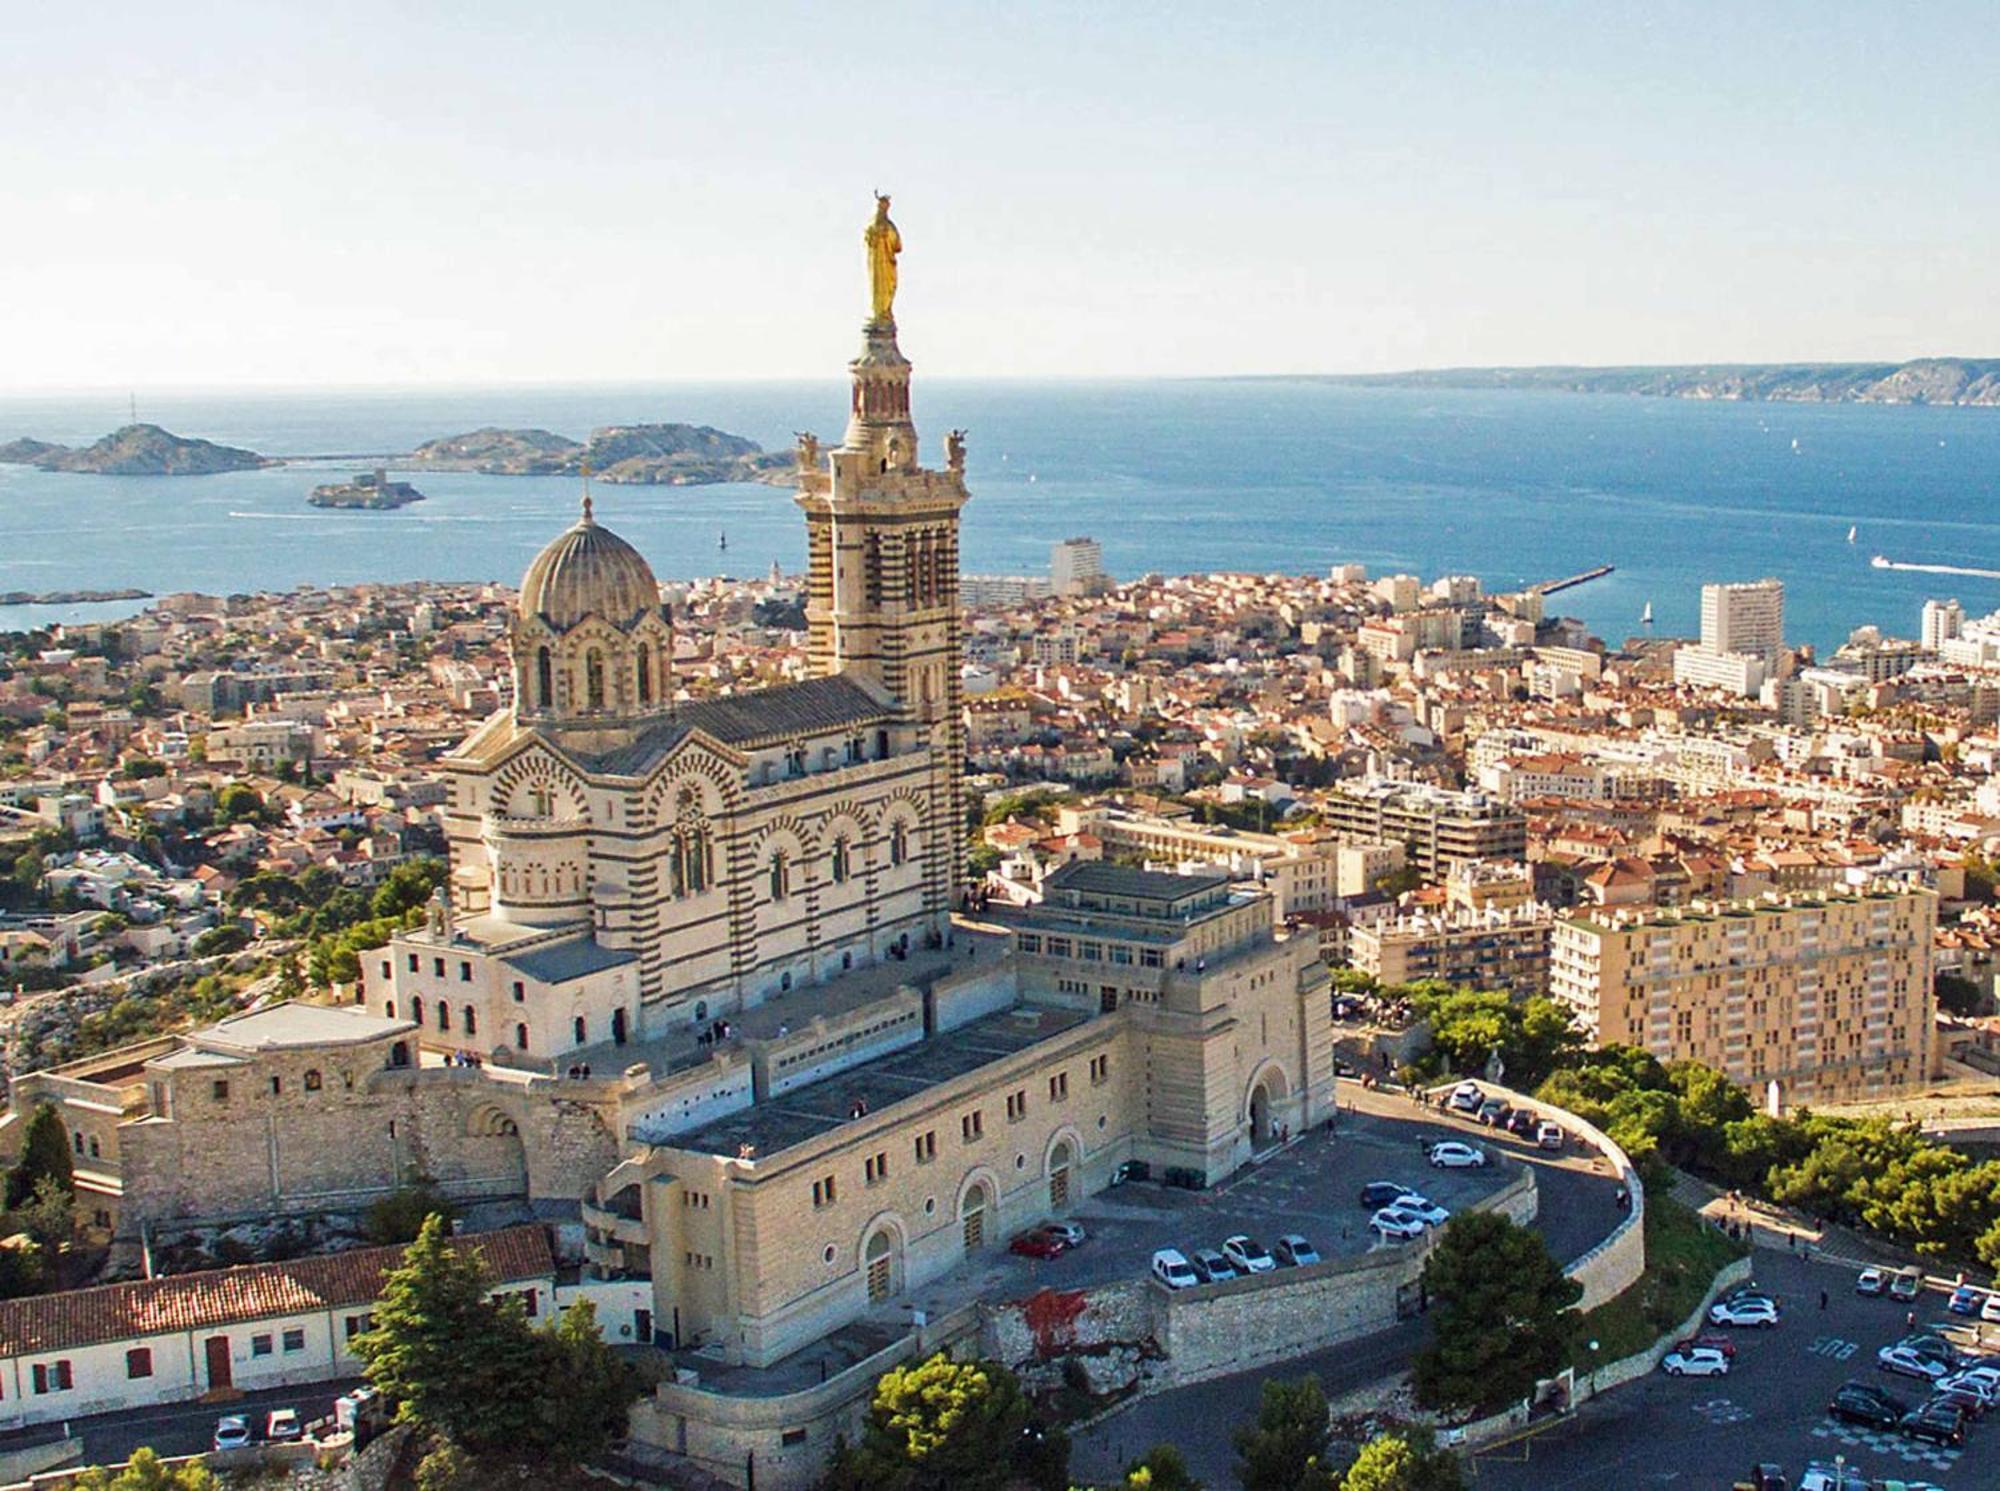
x=1037 y=1244
x=1712 y=1339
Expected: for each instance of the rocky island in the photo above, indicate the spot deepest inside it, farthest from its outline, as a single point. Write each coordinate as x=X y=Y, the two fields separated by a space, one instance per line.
x=135 y=450
x=1927 y=380
x=370 y=491
x=675 y=455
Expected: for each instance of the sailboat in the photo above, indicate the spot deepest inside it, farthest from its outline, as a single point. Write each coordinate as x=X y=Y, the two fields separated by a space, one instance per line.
x=1850 y=533
x=1646 y=616
x=722 y=540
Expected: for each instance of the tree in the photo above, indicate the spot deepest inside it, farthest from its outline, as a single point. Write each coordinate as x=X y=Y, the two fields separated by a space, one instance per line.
x=48 y=1216
x=230 y=937
x=1163 y=1469
x=399 y=1217
x=587 y=1391
x=1403 y=1462
x=1503 y=1314
x=145 y=1471
x=1959 y=996
x=44 y=1156
x=238 y=802
x=1285 y=1449
x=941 y=1425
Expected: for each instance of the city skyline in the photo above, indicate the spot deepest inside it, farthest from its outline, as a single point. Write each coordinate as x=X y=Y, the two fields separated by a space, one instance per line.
x=382 y=198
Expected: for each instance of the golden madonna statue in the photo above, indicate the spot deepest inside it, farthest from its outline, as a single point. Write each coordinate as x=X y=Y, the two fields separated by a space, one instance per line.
x=883 y=243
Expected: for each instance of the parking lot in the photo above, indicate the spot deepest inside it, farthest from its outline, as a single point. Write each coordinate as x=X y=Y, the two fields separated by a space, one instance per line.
x=1693 y=1433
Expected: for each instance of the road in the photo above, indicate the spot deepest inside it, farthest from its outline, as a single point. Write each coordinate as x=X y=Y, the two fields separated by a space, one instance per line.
x=1693 y=1434
x=179 y=1428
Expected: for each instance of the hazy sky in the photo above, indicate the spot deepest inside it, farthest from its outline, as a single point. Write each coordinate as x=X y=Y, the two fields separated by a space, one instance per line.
x=405 y=193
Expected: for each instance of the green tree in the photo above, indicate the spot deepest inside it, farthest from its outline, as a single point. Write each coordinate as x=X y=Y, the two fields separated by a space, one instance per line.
x=399 y=1217
x=45 y=1155
x=230 y=937
x=586 y=1391
x=239 y=802
x=138 y=768
x=1959 y=996
x=941 y=1425
x=1164 y=1468
x=1404 y=1462
x=1285 y=1449
x=145 y=1471
x=48 y=1216
x=408 y=887
x=1502 y=1315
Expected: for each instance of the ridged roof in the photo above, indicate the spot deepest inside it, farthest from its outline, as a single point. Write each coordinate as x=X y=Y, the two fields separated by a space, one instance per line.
x=588 y=571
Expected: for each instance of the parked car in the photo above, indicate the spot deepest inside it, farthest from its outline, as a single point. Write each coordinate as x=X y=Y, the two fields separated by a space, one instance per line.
x=1990 y=1311
x=1932 y=1345
x=1906 y=1284
x=1396 y=1224
x=1551 y=1136
x=1906 y=1361
x=232 y=1432
x=1380 y=1193
x=1871 y=1281
x=1453 y=1155
x=1171 y=1268
x=1824 y=1475
x=1131 y=1170
x=283 y=1426
x=1465 y=1098
x=1037 y=1243
x=1859 y=1403
x=1970 y=1403
x=1713 y=1339
x=1751 y=1310
x=1071 y=1233
x=1986 y=1377
x=1212 y=1266
x=1427 y=1212
x=1937 y=1423
x=1493 y=1112
x=1247 y=1254
x=1702 y=1361
x=1965 y=1300
x=1295 y=1252
x=1522 y=1123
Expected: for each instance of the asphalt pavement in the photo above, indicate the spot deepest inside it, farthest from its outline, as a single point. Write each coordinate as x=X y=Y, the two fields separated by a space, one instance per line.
x=179 y=1428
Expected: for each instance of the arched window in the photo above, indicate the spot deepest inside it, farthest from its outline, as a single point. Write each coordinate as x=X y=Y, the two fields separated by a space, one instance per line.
x=545 y=679
x=781 y=875
x=840 y=866
x=645 y=674
x=417 y=1008
x=593 y=678
x=582 y=1030
x=691 y=867
x=444 y=1015
x=899 y=843
x=471 y=1021
x=520 y=1037
x=388 y=1009
x=313 y=1080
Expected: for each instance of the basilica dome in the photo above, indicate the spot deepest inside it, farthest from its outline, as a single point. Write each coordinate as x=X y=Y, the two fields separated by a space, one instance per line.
x=588 y=571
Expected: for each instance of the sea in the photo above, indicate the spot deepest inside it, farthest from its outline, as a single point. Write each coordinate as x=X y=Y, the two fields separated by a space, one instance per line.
x=1171 y=476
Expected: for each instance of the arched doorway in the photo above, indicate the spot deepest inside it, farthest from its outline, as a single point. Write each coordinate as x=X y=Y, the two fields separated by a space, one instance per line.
x=878 y=1261
x=972 y=1216
x=1266 y=1093
x=1060 y=1160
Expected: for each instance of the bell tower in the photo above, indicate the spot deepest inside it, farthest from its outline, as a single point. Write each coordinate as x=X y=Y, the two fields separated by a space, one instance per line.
x=882 y=543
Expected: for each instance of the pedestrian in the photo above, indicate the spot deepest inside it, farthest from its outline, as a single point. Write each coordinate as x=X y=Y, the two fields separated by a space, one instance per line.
x=1822 y=1299
x=1910 y=1320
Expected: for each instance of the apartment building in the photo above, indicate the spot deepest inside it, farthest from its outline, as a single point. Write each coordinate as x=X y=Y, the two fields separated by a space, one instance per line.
x=1440 y=826
x=1499 y=948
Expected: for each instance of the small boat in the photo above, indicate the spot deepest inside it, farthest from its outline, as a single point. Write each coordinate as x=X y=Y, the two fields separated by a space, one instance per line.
x=1880 y=561
x=1795 y=445
x=1646 y=616
x=722 y=540
x=1850 y=533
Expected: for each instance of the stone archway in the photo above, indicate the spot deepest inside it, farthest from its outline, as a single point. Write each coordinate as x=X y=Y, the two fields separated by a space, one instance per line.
x=1061 y=1159
x=882 y=1264
x=975 y=1215
x=1268 y=1091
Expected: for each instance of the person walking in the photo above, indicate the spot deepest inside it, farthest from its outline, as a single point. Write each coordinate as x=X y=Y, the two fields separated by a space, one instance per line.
x=1822 y=1299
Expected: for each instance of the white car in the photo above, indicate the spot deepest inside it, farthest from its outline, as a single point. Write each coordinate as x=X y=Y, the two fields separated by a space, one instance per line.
x=283 y=1425
x=1906 y=1362
x=1990 y=1311
x=232 y=1432
x=1978 y=1385
x=1171 y=1268
x=1295 y=1251
x=1248 y=1255
x=1989 y=1376
x=1397 y=1224
x=1069 y=1232
x=1696 y=1361
x=1751 y=1310
x=1465 y=1098
x=1821 y=1476
x=1429 y=1213
x=1453 y=1155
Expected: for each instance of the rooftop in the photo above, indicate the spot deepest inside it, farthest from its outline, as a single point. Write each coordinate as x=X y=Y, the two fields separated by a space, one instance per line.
x=294 y=1024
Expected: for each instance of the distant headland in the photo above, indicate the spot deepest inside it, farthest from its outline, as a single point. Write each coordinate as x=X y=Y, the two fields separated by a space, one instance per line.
x=371 y=491
x=1928 y=380
x=135 y=450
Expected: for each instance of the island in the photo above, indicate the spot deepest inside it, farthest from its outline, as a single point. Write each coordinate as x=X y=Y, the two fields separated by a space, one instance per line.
x=1973 y=382
x=370 y=491
x=676 y=455
x=136 y=450
x=69 y=597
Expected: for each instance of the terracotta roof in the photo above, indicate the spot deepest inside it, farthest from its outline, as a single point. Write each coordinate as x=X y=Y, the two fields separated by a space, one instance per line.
x=233 y=1296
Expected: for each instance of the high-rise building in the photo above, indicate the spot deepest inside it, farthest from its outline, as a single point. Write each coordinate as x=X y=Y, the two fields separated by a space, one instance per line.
x=1943 y=621
x=1438 y=827
x=1820 y=997
x=1076 y=566
x=1747 y=618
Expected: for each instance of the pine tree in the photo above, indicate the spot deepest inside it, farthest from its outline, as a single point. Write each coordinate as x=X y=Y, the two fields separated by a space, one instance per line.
x=44 y=1156
x=435 y=1337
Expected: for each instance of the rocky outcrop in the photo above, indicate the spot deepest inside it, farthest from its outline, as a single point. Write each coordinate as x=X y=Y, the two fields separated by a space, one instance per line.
x=1929 y=380
x=675 y=455
x=136 y=450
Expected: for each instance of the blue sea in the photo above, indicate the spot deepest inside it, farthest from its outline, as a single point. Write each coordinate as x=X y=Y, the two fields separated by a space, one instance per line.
x=1172 y=476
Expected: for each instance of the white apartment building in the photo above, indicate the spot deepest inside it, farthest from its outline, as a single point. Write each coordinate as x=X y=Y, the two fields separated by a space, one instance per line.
x=1747 y=618
x=1076 y=566
x=1942 y=622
